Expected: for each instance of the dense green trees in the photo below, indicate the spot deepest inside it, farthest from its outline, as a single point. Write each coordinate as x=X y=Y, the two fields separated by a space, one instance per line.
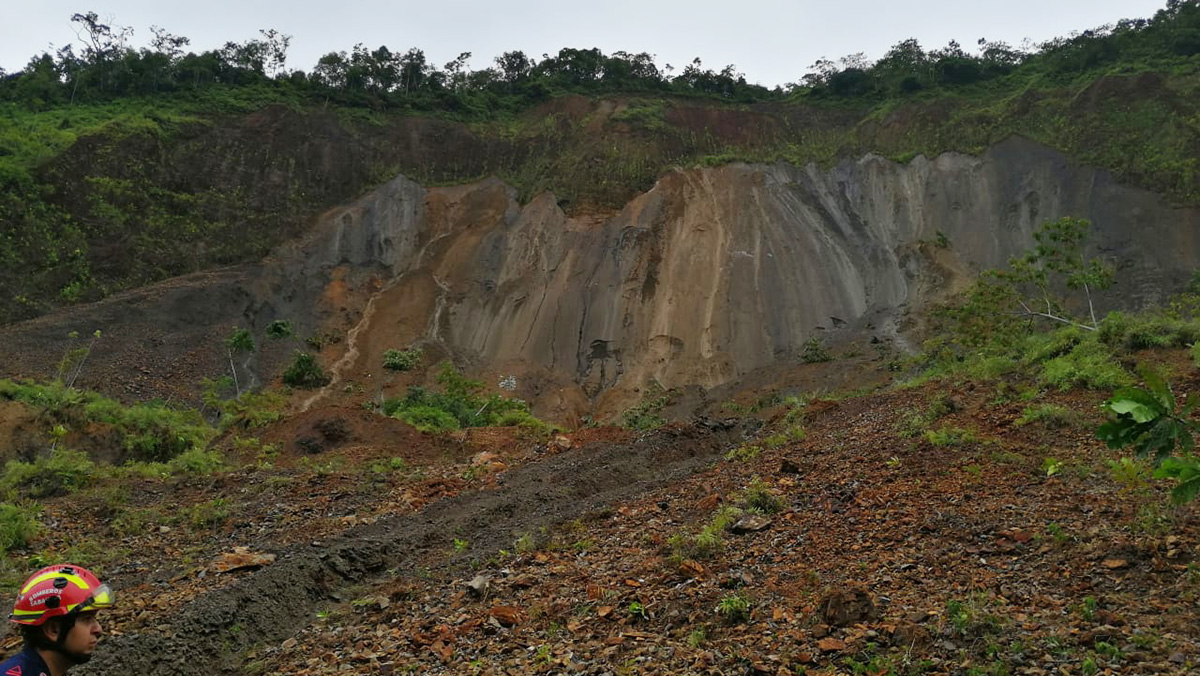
x=106 y=67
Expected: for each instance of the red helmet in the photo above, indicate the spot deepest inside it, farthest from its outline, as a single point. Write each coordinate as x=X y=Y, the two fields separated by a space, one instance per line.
x=63 y=589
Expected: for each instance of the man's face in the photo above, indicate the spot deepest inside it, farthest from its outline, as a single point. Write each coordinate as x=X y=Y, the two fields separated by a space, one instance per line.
x=82 y=638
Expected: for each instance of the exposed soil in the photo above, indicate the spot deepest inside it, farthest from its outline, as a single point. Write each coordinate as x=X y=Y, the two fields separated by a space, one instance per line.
x=889 y=554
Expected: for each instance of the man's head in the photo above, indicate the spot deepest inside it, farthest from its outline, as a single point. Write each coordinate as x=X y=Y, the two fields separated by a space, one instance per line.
x=56 y=609
x=73 y=637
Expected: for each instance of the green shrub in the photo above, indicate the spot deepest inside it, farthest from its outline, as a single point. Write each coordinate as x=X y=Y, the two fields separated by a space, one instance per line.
x=950 y=436
x=461 y=404
x=815 y=351
x=55 y=397
x=760 y=498
x=402 y=360
x=241 y=340
x=1038 y=348
x=427 y=418
x=254 y=409
x=60 y=472
x=1090 y=364
x=279 y=329
x=1148 y=330
x=645 y=415
x=196 y=461
x=916 y=422
x=1050 y=416
x=18 y=525
x=734 y=608
x=743 y=453
x=153 y=431
x=207 y=515
x=1196 y=353
x=305 y=372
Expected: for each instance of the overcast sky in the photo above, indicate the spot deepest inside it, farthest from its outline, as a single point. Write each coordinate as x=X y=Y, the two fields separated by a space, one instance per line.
x=771 y=41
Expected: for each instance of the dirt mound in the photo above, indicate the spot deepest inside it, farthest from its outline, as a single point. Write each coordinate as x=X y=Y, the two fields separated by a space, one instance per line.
x=200 y=638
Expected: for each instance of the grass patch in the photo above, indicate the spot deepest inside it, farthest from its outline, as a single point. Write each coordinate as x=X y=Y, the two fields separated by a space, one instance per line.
x=18 y=525
x=1050 y=416
x=60 y=472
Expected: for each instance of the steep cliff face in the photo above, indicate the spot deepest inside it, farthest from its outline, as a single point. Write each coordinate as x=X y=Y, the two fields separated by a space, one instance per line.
x=717 y=272
x=708 y=276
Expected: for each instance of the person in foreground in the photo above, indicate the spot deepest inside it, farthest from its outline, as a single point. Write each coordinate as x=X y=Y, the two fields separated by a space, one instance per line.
x=56 y=610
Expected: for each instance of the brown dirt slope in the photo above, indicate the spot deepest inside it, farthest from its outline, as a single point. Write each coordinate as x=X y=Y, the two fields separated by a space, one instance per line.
x=908 y=531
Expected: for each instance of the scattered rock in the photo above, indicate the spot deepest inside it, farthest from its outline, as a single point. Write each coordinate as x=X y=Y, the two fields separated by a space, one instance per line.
x=239 y=558
x=484 y=458
x=917 y=616
x=843 y=607
x=479 y=585
x=561 y=443
x=1177 y=658
x=750 y=523
x=911 y=636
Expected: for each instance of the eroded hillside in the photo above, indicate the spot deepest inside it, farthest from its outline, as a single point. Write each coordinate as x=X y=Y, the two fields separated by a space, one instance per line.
x=708 y=276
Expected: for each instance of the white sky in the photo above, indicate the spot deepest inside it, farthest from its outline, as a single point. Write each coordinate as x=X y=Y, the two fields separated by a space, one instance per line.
x=771 y=41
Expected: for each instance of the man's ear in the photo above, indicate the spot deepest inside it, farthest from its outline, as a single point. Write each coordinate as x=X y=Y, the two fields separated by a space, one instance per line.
x=50 y=630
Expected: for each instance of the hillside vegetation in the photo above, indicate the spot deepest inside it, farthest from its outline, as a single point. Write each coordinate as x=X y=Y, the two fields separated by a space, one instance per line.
x=123 y=166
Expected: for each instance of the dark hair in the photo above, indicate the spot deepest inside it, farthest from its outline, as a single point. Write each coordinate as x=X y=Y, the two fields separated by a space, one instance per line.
x=35 y=636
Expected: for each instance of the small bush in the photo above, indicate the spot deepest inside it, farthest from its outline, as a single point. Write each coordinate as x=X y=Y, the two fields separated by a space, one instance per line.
x=950 y=436
x=18 y=525
x=254 y=409
x=1090 y=364
x=760 y=498
x=305 y=372
x=196 y=462
x=241 y=340
x=815 y=351
x=279 y=329
x=207 y=515
x=644 y=416
x=1148 y=330
x=989 y=368
x=62 y=471
x=402 y=360
x=460 y=405
x=1050 y=416
x=708 y=542
x=428 y=418
x=734 y=608
x=743 y=453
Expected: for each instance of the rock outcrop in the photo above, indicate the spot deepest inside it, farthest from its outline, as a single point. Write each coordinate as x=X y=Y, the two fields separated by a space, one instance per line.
x=714 y=273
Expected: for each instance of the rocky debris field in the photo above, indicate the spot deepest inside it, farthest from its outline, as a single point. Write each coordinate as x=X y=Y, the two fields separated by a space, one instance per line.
x=932 y=529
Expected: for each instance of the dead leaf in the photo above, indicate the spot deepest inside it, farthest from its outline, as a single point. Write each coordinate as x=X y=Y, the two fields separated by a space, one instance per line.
x=691 y=569
x=1115 y=564
x=508 y=616
x=830 y=645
